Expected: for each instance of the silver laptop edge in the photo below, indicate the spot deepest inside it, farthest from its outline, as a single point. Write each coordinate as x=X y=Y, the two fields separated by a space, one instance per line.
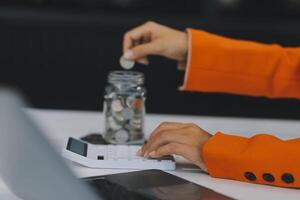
x=28 y=164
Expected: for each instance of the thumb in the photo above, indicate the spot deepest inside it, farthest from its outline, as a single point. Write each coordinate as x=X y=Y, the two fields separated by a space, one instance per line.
x=142 y=51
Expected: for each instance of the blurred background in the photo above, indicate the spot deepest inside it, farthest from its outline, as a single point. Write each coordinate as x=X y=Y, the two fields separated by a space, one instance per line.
x=58 y=52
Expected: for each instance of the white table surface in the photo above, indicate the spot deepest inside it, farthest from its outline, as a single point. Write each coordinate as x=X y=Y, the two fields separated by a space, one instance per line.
x=58 y=125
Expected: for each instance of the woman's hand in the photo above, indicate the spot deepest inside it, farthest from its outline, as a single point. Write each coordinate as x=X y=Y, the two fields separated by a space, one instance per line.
x=155 y=39
x=182 y=139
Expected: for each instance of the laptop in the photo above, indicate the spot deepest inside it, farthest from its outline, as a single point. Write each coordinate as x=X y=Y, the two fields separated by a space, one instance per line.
x=33 y=170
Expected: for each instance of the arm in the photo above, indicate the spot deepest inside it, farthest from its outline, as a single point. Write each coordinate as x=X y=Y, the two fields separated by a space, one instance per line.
x=219 y=64
x=262 y=159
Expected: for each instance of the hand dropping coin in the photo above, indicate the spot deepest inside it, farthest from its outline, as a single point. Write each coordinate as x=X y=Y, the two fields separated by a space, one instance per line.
x=126 y=64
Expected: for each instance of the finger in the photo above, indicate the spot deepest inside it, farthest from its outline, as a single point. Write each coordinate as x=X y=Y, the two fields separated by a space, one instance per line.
x=181 y=136
x=143 y=61
x=127 y=42
x=130 y=41
x=144 y=50
x=173 y=149
x=136 y=34
x=163 y=126
x=146 y=39
x=137 y=42
x=166 y=126
x=190 y=153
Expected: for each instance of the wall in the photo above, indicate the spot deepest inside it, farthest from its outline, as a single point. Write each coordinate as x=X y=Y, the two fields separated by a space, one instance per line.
x=59 y=56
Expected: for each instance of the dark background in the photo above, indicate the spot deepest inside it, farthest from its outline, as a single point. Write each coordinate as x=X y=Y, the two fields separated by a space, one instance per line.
x=58 y=52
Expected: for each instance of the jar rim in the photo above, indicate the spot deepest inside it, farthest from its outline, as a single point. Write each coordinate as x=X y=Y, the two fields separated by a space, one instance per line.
x=126 y=77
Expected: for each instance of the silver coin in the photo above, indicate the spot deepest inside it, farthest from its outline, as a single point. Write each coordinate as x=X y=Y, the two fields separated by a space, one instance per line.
x=113 y=124
x=136 y=135
x=138 y=104
x=136 y=123
x=127 y=113
x=126 y=64
x=122 y=136
x=116 y=105
x=129 y=101
x=118 y=116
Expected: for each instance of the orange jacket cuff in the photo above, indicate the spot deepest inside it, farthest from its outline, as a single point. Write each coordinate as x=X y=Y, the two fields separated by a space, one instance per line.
x=232 y=157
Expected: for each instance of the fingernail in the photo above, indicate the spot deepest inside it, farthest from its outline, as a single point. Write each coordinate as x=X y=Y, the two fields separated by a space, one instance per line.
x=152 y=154
x=143 y=62
x=139 y=152
x=146 y=155
x=128 y=54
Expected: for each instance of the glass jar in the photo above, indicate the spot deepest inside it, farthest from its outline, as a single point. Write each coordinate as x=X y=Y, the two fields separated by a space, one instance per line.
x=124 y=107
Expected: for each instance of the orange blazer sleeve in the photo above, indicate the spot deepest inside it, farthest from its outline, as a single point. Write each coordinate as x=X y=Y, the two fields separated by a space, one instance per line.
x=219 y=64
x=262 y=159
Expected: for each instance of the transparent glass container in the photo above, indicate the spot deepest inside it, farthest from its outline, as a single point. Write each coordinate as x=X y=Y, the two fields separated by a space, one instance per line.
x=124 y=107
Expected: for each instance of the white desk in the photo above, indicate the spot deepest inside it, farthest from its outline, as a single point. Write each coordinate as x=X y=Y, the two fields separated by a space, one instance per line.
x=60 y=124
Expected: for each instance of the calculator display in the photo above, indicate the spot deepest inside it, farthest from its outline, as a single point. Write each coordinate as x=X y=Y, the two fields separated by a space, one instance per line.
x=77 y=147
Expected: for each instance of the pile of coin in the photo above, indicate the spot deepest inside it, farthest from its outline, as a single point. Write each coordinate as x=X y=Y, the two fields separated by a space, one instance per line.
x=124 y=118
x=124 y=105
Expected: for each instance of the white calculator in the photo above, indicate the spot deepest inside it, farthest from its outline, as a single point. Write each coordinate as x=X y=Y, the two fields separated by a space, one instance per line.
x=112 y=156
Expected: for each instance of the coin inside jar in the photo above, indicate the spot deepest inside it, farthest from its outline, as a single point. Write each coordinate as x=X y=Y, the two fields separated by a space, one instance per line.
x=113 y=124
x=126 y=64
x=127 y=113
x=116 y=105
x=137 y=104
x=121 y=136
x=135 y=123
